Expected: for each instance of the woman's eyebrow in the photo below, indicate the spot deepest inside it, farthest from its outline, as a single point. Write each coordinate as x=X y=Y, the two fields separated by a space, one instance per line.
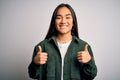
x=68 y=14
x=61 y=15
x=58 y=15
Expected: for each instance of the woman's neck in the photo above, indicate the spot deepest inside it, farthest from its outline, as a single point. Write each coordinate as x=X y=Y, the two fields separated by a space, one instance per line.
x=64 y=38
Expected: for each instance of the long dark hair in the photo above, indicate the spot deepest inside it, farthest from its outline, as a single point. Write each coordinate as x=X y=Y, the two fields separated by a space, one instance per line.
x=52 y=30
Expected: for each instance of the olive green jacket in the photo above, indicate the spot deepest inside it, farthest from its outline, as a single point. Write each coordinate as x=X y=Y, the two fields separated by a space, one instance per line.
x=73 y=70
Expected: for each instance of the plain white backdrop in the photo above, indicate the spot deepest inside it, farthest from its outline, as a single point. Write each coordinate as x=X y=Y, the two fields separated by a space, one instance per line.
x=24 y=23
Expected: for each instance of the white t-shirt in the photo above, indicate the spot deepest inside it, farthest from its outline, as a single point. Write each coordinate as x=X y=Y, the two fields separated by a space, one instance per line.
x=63 y=47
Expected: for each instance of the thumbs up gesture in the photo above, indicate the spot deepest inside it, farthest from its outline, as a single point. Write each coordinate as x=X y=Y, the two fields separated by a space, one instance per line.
x=41 y=57
x=84 y=56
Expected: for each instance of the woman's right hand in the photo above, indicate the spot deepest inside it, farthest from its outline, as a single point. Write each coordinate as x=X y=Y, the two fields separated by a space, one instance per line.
x=41 y=57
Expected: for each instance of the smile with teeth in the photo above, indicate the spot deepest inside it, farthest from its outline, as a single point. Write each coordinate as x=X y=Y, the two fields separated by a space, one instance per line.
x=63 y=26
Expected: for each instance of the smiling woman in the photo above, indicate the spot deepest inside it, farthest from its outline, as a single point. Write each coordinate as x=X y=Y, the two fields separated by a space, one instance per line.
x=64 y=21
x=62 y=55
x=64 y=24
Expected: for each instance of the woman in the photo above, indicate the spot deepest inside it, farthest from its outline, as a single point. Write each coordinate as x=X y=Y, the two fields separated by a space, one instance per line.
x=62 y=55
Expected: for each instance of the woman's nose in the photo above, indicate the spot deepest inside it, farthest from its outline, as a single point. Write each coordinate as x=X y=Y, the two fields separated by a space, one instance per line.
x=63 y=20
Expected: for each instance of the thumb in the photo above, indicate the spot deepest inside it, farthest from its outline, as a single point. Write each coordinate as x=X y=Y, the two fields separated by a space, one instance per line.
x=86 y=47
x=40 y=48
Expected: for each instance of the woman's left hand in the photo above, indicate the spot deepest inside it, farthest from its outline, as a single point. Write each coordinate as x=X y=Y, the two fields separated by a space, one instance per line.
x=84 y=56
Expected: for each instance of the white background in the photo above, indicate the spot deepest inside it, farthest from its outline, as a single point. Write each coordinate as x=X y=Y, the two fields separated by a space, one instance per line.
x=24 y=23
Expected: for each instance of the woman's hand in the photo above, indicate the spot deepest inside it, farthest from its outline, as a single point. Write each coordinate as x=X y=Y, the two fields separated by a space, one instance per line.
x=84 y=56
x=41 y=57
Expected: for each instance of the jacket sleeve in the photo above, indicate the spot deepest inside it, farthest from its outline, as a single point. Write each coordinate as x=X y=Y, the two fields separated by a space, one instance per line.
x=89 y=70
x=35 y=71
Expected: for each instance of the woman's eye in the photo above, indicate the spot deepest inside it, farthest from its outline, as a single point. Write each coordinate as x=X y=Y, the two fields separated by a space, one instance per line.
x=58 y=17
x=68 y=17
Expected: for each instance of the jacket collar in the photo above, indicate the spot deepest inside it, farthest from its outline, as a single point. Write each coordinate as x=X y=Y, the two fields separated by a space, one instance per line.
x=53 y=38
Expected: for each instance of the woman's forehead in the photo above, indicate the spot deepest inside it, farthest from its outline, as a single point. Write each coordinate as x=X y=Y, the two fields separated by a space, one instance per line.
x=64 y=11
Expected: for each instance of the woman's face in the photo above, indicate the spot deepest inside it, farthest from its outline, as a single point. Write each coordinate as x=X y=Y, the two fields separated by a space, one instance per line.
x=64 y=21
